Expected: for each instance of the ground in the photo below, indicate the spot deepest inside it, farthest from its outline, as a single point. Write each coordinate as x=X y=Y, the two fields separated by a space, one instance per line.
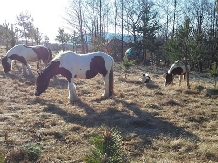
x=157 y=123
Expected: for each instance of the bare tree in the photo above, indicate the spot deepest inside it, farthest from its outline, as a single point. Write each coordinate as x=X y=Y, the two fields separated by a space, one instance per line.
x=37 y=36
x=75 y=19
x=9 y=35
x=62 y=37
x=99 y=17
x=131 y=9
x=25 y=24
x=46 y=40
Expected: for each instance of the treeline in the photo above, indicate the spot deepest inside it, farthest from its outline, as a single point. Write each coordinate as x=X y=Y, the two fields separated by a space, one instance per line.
x=168 y=29
x=22 y=30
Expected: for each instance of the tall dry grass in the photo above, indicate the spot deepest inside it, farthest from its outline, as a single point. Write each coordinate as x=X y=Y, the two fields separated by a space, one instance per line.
x=157 y=123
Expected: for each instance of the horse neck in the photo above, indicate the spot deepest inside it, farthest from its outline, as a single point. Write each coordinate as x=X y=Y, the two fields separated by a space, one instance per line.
x=51 y=70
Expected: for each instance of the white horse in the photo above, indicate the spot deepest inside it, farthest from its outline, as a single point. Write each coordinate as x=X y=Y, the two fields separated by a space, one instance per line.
x=177 y=68
x=26 y=54
x=72 y=65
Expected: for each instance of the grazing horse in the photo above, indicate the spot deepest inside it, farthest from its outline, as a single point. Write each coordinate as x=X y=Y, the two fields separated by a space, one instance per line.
x=83 y=66
x=178 y=68
x=26 y=54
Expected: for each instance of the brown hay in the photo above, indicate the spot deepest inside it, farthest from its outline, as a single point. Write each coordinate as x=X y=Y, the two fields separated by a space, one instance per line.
x=158 y=124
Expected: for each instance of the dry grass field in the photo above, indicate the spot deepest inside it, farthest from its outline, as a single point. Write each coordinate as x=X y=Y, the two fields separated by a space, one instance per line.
x=158 y=124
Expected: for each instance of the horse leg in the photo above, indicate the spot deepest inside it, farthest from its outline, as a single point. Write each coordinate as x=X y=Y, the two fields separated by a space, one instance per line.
x=72 y=91
x=24 y=69
x=13 y=63
x=45 y=62
x=37 y=65
x=180 y=78
x=106 y=84
x=29 y=69
x=109 y=84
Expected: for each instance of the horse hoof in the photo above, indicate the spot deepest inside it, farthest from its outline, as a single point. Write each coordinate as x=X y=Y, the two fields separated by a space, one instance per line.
x=104 y=97
x=73 y=100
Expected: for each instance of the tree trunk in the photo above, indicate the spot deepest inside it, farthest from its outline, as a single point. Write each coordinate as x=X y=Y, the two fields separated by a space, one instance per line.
x=187 y=80
x=200 y=66
x=174 y=16
x=144 y=57
x=187 y=74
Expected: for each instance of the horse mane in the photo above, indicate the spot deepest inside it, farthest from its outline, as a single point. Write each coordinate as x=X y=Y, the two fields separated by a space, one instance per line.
x=60 y=54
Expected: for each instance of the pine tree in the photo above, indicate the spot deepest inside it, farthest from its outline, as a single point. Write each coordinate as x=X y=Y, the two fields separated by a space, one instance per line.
x=25 y=24
x=62 y=37
x=214 y=72
x=148 y=26
x=106 y=148
x=182 y=46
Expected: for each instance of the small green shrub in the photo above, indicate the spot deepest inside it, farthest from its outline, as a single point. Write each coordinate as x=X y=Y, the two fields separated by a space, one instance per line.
x=214 y=72
x=33 y=152
x=106 y=148
x=127 y=63
x=2 y=159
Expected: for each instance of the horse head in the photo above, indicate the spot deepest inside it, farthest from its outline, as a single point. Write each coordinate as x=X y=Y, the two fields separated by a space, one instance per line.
x=42 y=83
x=168 y=78
x=6 y=65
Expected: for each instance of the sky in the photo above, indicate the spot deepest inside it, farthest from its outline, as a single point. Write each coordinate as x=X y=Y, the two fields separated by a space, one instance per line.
x=47 y=14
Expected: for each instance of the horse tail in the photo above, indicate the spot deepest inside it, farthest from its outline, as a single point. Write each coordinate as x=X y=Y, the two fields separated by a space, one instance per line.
x=111 y=80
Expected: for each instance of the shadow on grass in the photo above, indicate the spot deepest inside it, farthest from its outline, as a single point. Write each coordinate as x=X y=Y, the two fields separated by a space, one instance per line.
x=145 y=120
x=143 y=123
x=27 y=79
x=150 y=85
x=62 y=83
x=59 y=83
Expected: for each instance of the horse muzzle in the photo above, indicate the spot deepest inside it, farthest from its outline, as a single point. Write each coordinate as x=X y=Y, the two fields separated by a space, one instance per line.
x=6 y=71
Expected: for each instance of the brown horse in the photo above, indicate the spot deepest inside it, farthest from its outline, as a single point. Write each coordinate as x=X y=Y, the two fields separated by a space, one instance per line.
x=83 y=66
x=25 y=54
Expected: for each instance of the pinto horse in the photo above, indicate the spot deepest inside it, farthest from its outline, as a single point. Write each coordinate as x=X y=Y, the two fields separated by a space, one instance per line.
x=83 y=66
x=26 y=54
x=177 y=68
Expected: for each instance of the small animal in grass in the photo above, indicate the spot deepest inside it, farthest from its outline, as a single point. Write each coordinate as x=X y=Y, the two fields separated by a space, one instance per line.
x=145 y=78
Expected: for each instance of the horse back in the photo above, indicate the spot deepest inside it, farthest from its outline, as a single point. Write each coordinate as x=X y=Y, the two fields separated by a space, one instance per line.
x=86 y=66
x=42 y=52
x=99 y=62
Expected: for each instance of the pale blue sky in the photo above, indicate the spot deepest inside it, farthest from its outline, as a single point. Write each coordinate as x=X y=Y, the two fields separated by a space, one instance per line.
x=47 y=14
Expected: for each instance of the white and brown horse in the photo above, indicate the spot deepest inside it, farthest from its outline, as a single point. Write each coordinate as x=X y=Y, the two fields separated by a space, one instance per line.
x=83 y=66
x=177 y=68
x=25 y=54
